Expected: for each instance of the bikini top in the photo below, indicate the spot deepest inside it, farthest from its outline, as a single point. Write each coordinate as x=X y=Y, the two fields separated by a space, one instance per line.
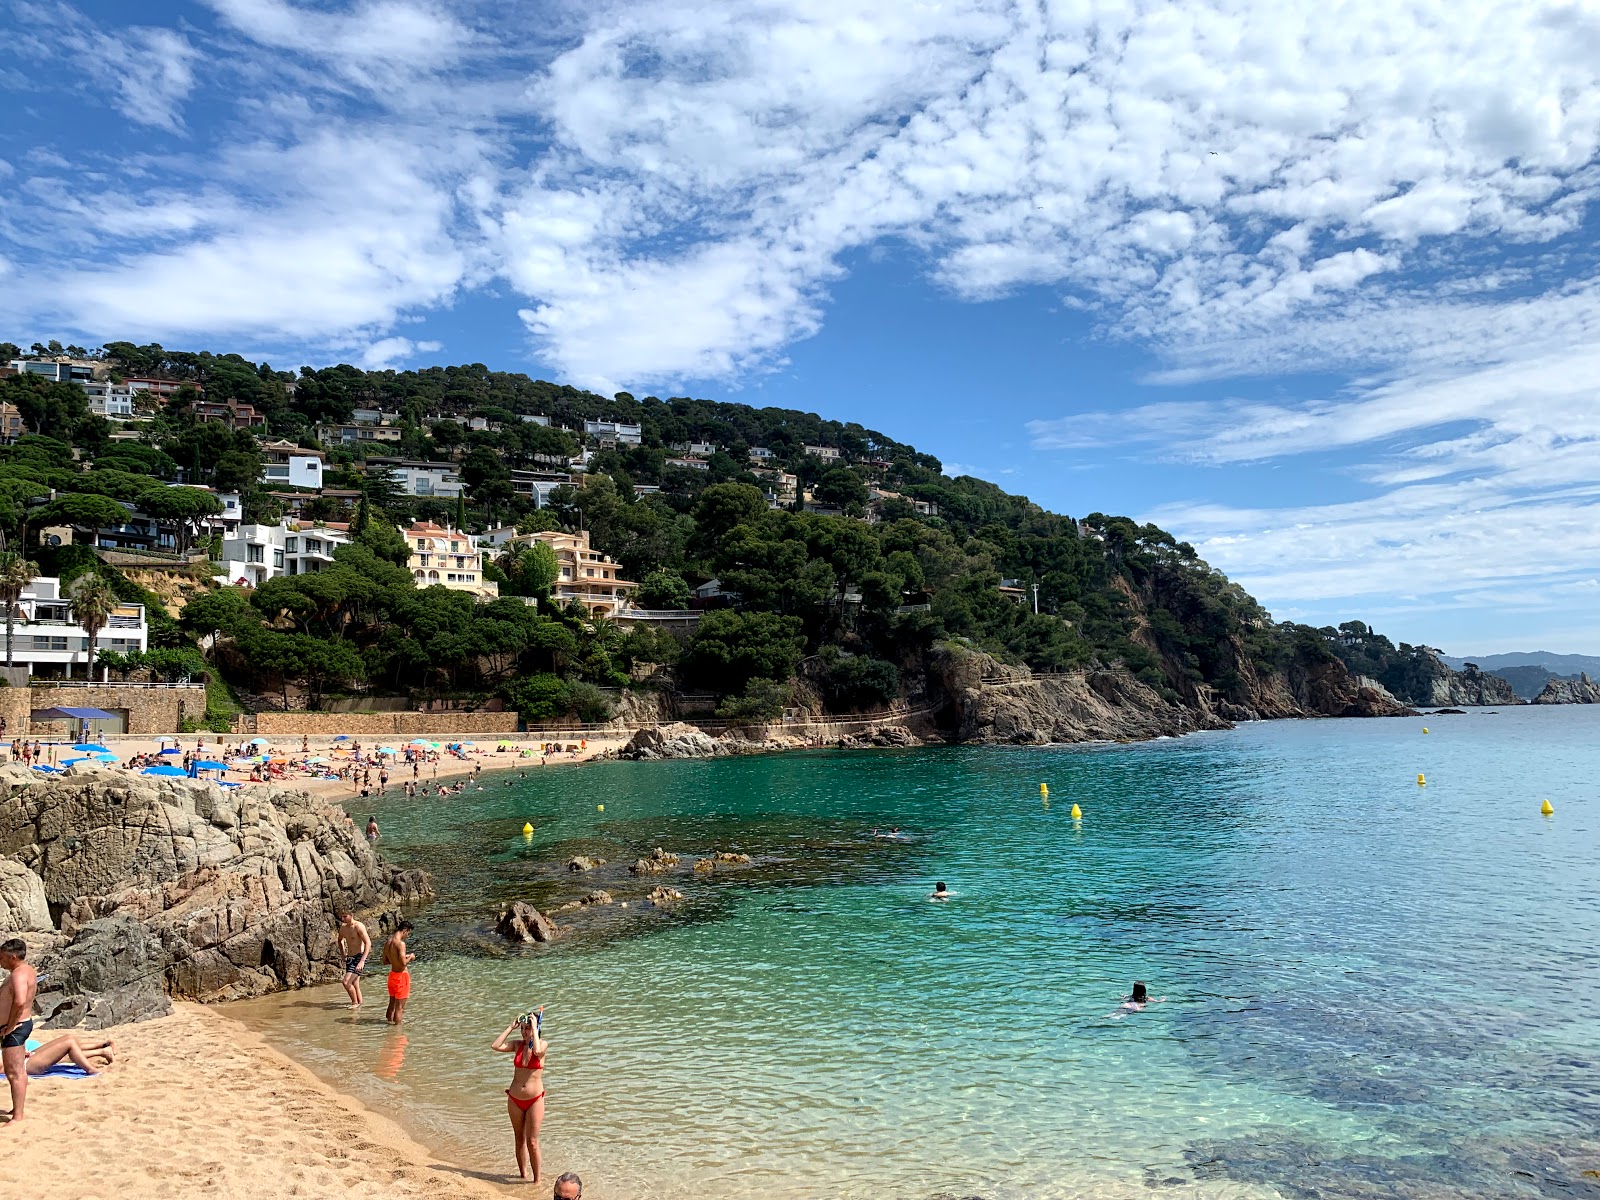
x=533 y=1062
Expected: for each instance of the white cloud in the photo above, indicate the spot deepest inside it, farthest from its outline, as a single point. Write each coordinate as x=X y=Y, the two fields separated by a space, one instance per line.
x=392 y=351
x=153 y=73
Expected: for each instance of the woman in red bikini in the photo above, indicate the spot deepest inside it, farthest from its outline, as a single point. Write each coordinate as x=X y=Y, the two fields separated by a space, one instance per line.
x=525 y=1096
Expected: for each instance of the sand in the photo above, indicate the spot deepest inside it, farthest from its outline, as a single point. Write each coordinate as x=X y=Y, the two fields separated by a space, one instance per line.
x=448 y=767
x=198 y=1105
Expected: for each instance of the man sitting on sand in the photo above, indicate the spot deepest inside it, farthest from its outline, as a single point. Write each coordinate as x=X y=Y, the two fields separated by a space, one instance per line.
x=355 y=943
x=399 y=960
x=16 y=1019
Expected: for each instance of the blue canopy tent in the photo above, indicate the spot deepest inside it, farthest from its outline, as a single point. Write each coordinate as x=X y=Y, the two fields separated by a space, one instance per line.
x=85 y=717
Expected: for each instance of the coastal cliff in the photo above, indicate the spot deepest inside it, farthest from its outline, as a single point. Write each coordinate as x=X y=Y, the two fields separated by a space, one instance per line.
x=1581 y=690
x=1469 y=686
x=131 y=890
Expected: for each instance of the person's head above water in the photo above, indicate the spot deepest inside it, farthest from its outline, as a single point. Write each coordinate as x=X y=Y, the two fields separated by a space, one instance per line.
x=939 y=887
x=1140 y=996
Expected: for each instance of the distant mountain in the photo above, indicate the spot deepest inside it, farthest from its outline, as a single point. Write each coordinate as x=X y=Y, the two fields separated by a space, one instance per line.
x=1527 y=682
x=1556 y=664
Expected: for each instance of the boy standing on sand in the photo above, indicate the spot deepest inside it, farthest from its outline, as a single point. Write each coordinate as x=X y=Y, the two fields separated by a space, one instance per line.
x=355 y=943
x=399 y=960
x=16 y=1019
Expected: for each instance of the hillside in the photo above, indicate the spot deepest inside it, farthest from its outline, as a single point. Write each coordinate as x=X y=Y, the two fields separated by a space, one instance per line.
x=838 y=568
x=1566 y=665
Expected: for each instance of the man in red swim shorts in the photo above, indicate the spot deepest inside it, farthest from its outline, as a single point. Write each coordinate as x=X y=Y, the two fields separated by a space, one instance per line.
x=399 y=960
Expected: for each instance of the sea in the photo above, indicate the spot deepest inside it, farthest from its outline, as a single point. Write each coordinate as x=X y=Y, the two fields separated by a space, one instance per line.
x=1362 y=985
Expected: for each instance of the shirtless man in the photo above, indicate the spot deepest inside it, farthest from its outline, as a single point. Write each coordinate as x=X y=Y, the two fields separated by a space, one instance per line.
x=399 y=960
x=355 y=943
x=16 y=1019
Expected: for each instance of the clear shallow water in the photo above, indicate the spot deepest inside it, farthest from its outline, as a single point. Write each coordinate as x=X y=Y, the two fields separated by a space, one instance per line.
x=1372 y=988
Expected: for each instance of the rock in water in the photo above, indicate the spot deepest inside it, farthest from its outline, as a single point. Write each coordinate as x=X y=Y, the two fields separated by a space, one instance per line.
x=661 y=894
x=22 y=902
x=583 y=862
x=522 y=922
x=657 y=862
x=177 y=887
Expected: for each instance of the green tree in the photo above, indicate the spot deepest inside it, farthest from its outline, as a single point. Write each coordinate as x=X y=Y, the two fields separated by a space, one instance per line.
x=187 y=508
x=729 y=649
x=93 y=602
x=842 y=487
x=81 y=510
x=663 y=589
x=16 y=573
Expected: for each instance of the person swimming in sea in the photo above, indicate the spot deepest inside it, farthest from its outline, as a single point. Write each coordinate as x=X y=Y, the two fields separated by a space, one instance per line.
x=940 y=892
x=1135 y=1000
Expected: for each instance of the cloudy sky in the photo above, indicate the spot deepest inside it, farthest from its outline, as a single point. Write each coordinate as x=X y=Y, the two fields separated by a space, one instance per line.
x=1313 y=285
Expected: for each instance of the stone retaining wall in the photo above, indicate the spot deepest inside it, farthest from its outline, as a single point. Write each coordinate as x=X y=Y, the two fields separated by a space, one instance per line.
x=151 y=711
x=321 y=724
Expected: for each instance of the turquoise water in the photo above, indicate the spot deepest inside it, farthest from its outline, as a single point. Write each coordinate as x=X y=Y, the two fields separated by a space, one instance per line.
x=1371 y=988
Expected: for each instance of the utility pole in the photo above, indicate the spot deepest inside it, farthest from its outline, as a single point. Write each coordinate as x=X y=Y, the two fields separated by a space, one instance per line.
x=1036 y=599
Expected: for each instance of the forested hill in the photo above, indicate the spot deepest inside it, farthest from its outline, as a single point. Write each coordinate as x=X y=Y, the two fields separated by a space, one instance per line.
x=846 y=556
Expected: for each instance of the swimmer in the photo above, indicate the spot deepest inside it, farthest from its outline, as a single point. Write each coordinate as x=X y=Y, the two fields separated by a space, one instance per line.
x=940 y=892
x=1136 y=1000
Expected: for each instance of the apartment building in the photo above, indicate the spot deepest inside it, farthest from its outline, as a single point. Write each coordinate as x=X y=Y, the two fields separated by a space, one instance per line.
x=291 y=465
x=357 y=434
x=447 y=558
x=60 y=370
x=257 y=553
x=230 y=412
x=51 y=644
x=417 y=478
x=586 y=575
x=826 y=453
x=113 y=401
x=623 y=433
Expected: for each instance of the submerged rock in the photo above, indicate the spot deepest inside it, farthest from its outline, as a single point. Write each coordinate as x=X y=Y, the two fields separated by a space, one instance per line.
x=661 y=894
x=657 y=862
x=582 y=862
x=522 y=922
x=176 y=887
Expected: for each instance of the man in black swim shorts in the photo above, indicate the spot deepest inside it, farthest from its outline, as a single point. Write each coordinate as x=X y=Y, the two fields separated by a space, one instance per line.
x=16 y=1019
x=355 y=943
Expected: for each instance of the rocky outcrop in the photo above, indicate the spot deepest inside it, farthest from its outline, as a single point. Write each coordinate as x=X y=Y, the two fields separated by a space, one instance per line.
x=22 y=903
x=1581 y=690
x=677 y=740
x=522 y=922
x=1468 y=686
x=582 y=862
x=662 y=894
x=657 y=862
x=172 y=887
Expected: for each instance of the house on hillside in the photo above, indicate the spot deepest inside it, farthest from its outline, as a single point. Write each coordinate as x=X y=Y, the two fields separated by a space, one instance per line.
x=586 y=576
x=826 y=453
x=357 y=433
x=413 y=477
x=62 y=369
x=257 y=553
x=49 y=641
x=447 y=558
x=622 y=433
x=229 y=412
x=286 y=463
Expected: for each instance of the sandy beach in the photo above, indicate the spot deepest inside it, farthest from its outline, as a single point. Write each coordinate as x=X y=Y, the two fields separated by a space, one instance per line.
x=198 y=1105
x=490 y=753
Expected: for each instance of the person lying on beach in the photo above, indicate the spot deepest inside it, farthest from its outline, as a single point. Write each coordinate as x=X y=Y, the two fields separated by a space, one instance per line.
x=84 y=1054
x=525 y=1096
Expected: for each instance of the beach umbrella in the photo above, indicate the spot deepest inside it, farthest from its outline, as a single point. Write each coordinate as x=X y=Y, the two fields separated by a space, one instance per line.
x=105 y=756
x=464 y=745
x=433 y=745
x=260 y=741
x=417 y=742
x=163 y=769
x=67 y=762
x=207 y=764
x=386 y=750
x=170 y=750
x=91 y=748
x=343 y=737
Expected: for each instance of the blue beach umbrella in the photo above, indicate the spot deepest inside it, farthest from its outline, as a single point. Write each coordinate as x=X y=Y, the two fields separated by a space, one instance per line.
x=105 y=756
x=207 y=764
x=260 y=741
x=343 y=737
x=163 y=769
x=67 y=762
x=91 y=748
x=56 y=770
x=170 y=750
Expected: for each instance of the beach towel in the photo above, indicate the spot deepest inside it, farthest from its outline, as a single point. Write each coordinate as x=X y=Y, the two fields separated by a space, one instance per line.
x=62 y=1070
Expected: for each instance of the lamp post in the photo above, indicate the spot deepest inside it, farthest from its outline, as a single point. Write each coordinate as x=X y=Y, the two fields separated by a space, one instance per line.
x=1036 y=599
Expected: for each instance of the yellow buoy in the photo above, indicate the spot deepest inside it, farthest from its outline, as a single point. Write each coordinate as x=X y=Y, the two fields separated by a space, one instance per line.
x=1424 y=729
x=527 y=827
x=1546 y=809
x=599 y=808
x=1044 y=789
x=1422 y=780
x=1077 y=813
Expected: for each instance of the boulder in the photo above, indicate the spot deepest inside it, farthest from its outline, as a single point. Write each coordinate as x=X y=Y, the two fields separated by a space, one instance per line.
x=677 y=740
x=22 y=904
x=661 y=894
x=728 y=856
x=657 y=862
x=598 y=896
x=704 y=866
x=1581 y=690
x=582 y=862
x=177 y=887
x=522 y=922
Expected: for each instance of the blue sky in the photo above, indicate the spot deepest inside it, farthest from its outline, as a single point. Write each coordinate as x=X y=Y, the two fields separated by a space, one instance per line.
x=1313 y=286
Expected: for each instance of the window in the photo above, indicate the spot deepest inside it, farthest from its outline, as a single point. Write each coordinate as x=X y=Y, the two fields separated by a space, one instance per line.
x=277 y=559
x=255 y=554
x=291 y=545
x=589 y=571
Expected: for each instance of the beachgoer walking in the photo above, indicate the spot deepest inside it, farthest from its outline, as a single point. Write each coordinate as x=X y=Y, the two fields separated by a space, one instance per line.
x=525 y=1096
x=569 y=1187
x=383 y=780
x=399 y=960
x=355 y=943
x=372 y=828
x=16 y=1020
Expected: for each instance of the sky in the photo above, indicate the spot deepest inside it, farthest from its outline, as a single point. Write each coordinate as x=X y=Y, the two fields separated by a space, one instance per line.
x=1313 y=286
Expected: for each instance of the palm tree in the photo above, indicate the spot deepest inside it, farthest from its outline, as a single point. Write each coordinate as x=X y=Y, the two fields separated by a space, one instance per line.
x=93 y=602
x=16 y=573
